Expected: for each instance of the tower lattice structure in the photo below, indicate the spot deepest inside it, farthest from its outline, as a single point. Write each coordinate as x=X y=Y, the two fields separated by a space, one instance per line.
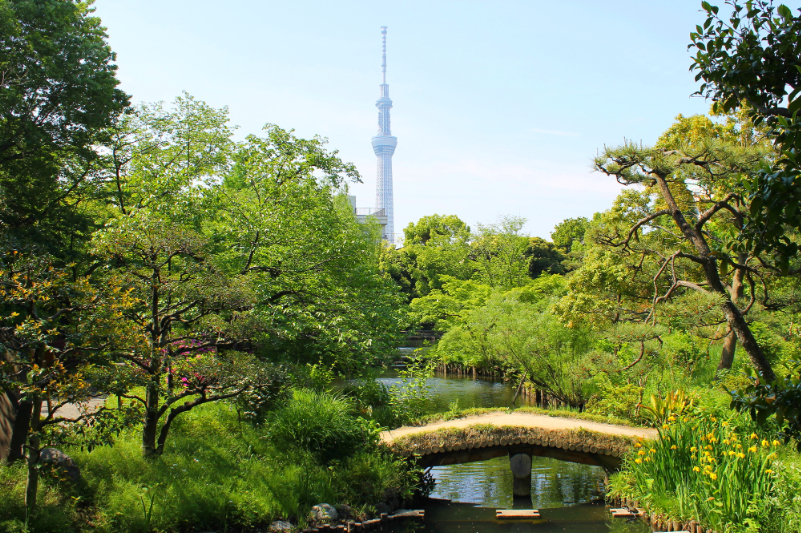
x=384 y=146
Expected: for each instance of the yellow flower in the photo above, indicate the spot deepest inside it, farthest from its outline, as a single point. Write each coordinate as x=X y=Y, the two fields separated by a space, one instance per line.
x=693 y=449
x=696 y=469
x=713 y=439
x=713 y=419
x=713 y=476
x=638 y=461
x=752 y=449
x=710 y=498
x=672 y=419
x=641 y=452
x=769 y=471
x=725 y=441
x=652 y=450
x=665 y=426
x=674 y=447
x=647 y=459
x=765 y=444
x=724 y=424
x=741 y=455
x=776 y=443
x=754 y=436
x=708 y=467
x=731 y=453
x=637 y=445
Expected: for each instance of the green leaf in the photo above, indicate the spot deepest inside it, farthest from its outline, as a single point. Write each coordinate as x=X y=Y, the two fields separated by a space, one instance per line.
x=785 y=13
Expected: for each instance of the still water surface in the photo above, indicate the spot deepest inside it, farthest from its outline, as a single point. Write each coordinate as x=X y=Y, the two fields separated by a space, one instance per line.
x=568 y=495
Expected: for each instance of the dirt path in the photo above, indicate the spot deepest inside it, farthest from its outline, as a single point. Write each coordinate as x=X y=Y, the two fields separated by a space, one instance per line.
x=529 y=420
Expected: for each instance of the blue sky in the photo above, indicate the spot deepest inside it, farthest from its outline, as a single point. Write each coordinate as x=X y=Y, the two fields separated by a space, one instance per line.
x=499 y=106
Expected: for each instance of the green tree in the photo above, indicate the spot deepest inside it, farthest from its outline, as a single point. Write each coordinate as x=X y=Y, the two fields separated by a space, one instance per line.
x=751 y=62
x=443 y=308
x=704 y=222
x=56 y=330
x=281 y=220
x=544 y=257
x=569 y=232
x=499 y=253
x=57 y=94
x=183 y=336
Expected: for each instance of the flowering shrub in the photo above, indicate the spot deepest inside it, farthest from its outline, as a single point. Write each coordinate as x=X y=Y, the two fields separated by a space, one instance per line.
x=703 y=469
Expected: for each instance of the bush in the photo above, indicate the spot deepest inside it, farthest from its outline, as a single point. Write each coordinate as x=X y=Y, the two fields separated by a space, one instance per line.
x=368 y=394
x=617 y=400
x=321 y=423
x=254 y=404
x=372 y=477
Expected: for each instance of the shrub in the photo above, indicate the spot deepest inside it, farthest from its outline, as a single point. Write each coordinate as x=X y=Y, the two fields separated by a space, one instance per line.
x=617 y=400
x=254 y=404
x=321 y=423
x=369 y=477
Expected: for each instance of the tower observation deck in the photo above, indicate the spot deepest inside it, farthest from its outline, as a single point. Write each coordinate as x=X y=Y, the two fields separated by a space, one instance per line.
x=384 y=146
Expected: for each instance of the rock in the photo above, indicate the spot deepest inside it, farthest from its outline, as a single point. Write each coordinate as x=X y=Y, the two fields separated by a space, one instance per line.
x=343 y=510
x=280 y=525
x=61 y=463
x=381 y=508
x=324 y=512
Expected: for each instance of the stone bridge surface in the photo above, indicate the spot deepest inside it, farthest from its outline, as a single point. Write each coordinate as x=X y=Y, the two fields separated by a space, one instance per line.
x=478 y=438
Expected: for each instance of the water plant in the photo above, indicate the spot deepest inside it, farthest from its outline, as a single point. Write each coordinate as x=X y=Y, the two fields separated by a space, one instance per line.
x=705 y=469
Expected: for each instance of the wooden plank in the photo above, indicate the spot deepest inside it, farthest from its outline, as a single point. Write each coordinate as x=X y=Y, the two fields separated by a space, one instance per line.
x=412 y=513
x=517 y=513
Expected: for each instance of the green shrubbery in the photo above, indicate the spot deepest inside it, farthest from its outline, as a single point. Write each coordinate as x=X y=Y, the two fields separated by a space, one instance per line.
x=219 y=473
x=321 y=423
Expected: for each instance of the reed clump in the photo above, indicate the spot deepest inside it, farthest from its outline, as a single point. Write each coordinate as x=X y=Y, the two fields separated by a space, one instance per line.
x=706 y=470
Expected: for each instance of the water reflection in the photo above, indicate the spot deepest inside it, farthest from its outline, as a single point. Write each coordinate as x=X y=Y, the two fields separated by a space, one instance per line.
x=451 y=517
x=467 y=392
x=489 y=483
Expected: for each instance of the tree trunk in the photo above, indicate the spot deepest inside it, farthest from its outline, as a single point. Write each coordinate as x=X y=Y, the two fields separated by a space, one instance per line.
x=734 y=317
x=727 y=354
x=19 y=429
x=149 y=431
x=730 y=342
x=740 y=327
x=32 y=483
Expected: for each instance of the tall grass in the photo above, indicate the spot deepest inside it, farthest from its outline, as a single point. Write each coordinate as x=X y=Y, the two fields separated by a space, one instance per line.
x=215 y=475
x=321 y=423
x=704 y=469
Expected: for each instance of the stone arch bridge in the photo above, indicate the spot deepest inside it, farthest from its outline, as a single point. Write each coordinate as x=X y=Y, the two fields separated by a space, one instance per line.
x=521 y=436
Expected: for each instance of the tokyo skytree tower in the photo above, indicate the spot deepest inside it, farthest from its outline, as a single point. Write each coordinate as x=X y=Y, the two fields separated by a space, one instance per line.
x=384 y=146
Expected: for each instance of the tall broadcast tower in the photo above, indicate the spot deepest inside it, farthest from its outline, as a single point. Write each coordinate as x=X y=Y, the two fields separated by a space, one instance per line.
x=384 y=146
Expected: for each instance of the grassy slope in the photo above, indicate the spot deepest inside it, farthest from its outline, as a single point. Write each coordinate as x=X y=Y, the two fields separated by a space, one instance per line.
x=214 y=475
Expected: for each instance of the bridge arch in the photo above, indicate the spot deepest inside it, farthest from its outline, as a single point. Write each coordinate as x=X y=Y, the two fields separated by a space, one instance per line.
x=517 y=435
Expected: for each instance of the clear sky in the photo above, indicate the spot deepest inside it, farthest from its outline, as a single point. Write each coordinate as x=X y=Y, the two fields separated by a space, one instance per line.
x=499 y=106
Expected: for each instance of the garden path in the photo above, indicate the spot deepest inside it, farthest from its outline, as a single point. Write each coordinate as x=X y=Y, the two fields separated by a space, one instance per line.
x=530 y=420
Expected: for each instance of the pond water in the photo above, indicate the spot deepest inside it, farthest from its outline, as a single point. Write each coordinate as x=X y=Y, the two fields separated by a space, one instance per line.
x=466 y=391
x=465 y=497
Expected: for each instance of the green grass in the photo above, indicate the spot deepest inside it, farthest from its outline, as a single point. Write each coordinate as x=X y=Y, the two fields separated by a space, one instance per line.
x=215 y=475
